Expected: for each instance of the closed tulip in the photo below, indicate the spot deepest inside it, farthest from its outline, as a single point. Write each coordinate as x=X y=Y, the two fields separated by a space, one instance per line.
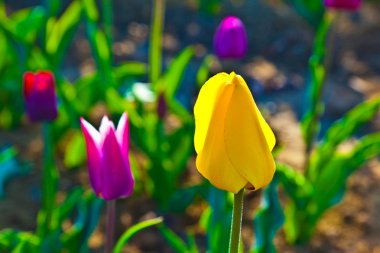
x=232 y=140
x=39 y=96
x=230 y=40
x=349 y=5
x=107 y=155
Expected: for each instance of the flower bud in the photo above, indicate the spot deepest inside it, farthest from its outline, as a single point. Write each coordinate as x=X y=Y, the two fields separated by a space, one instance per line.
x=39 y=95
x=161 y=106
x=230 y=40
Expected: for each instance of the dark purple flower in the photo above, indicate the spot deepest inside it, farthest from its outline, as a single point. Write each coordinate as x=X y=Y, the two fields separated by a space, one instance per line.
x=107 y=156
x=230 y=40
x=349 y=5
x=39 y=95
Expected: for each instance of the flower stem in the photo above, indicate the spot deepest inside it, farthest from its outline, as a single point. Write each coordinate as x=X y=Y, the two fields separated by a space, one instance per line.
x=49 y=184
x=236 y=222
x=110 y=226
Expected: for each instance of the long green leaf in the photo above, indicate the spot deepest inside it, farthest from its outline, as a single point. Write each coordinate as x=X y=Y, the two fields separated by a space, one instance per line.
x=127 y=235
x=155 y=61
x=295 y=184
x=177 y=244
x=170 y=82
x=341 y=131
x=268 y=220
x=61 y=32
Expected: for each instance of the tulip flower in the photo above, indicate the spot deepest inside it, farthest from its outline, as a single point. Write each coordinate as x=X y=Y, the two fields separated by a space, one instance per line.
x=107 y=156
x=349 y=5
x=230 y=40
x=39 y=95
x=232 y=140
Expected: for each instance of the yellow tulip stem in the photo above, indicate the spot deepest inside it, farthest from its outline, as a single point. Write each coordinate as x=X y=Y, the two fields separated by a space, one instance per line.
x=236 y=222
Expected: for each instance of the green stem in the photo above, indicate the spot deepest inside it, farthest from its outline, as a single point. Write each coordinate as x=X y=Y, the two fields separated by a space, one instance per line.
x=319 y=62
x=236 y=222
x=110 y=226
x=158 y=15
x=49 y=184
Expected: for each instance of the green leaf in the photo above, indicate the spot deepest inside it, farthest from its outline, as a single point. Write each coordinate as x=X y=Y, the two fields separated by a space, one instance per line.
x=170 y=82
x=26 y=23
x=10 y=240
x=101 y=46
x=60 y=33
x=155 y=47
x=204 y=70
x=75 y=152
x=218 y=225
x=311 y=11
x=127 y=235
x=10 y=167
x=181 y=147
x=268 y=220
x=332 y=181
x=182 y=198
x=341 y=130
x=91 y=10
x=177 y=244
x=75 y=239
x=295 y=184
x=129 y=69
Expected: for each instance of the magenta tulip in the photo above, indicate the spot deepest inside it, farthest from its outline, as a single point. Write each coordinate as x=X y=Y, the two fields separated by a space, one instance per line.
x=349 y=5
x=107 y=155
x=230 y=40
x=39 y=95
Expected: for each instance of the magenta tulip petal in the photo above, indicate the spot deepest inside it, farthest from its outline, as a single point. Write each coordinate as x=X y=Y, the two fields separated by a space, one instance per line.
x=122 y=134
x=108 y=160
x=104 y=125
x=92 y=138
x=118 y=180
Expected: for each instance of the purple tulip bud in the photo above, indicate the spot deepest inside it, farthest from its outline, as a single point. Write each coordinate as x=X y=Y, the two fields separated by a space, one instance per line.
x=107 y=157
x=161 y=106
x=39 y=96
x=349 y=5
x=230 y=40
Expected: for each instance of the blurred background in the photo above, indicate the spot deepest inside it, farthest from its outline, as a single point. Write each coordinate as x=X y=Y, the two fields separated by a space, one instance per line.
x=281 y=35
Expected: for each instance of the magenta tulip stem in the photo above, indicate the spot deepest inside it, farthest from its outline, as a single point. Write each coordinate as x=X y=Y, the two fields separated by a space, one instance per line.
x=236 y=222
x=110 y=226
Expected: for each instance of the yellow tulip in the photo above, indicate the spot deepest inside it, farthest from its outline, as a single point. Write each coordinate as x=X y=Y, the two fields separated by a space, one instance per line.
x=232 y=140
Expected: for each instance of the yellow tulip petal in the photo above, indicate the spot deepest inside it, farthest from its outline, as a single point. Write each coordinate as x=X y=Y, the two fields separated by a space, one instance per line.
x=212 y=160
x=205 y=106
x=269 y=135
x=245 y=137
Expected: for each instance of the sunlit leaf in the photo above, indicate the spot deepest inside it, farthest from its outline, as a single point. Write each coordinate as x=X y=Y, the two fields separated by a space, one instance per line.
x=127 y=235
